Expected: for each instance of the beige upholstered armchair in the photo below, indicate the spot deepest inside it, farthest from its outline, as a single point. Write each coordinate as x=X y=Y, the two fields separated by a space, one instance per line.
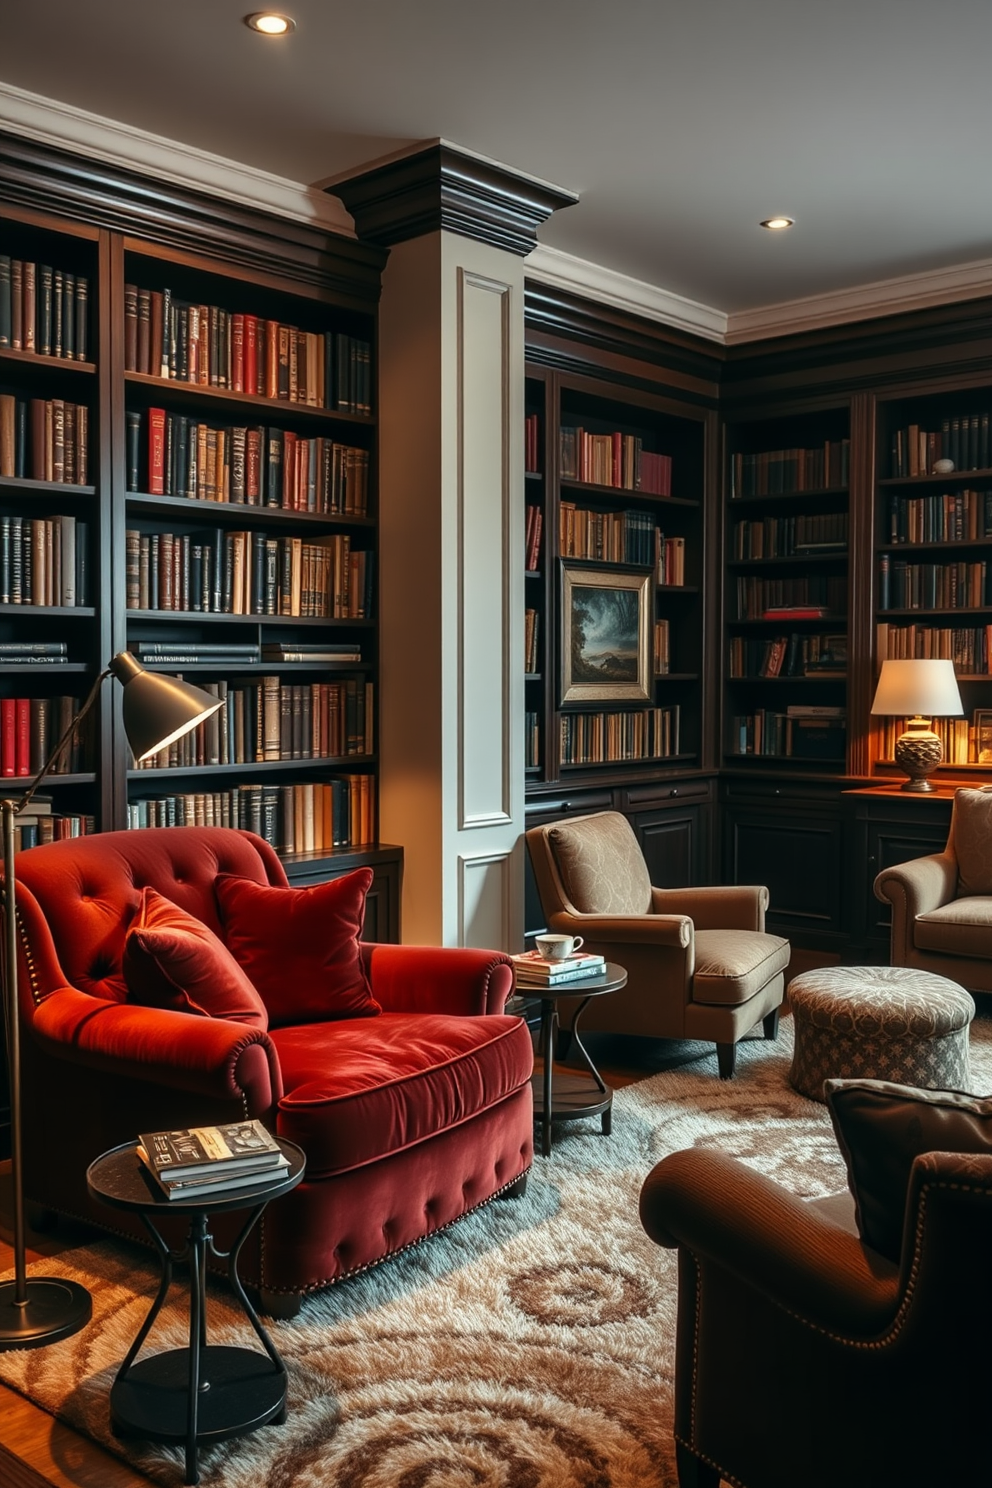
x=699 y=963
x=942 y=904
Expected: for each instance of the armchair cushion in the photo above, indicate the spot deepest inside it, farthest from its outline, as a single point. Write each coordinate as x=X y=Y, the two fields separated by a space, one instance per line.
x=881 y=1128
x=173 y=961
x=971 y=840
x=732 y=966
x=601 y=865
x=961 y=928
x=300 y=947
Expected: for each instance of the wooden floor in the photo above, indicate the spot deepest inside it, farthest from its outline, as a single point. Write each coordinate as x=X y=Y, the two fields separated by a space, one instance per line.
x=38 y=1452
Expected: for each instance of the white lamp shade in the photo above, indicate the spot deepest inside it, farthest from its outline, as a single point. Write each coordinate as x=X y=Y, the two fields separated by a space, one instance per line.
x=911 y=687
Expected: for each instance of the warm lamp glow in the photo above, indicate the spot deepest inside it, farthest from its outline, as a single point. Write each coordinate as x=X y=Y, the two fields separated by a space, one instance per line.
x=777 y=224
x=270 y=23
x=918 y=691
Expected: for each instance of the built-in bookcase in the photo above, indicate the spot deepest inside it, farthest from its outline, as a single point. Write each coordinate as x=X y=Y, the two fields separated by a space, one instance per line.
x=933 y=558
x=614 y=576
x=786 y=599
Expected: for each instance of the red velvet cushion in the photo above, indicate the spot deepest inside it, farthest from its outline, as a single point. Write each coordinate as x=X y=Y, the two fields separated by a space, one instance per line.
x=172 y=960
x=300 y=946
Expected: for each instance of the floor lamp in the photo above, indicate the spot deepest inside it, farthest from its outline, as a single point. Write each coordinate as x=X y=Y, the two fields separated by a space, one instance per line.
x=157 y=709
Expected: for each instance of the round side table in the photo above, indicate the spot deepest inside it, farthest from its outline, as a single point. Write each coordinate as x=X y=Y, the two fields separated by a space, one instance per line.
x=203 y=1393
x=565 y=1094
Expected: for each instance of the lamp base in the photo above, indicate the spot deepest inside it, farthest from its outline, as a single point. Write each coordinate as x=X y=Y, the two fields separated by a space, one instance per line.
x=918 y=751
x=54 y=1309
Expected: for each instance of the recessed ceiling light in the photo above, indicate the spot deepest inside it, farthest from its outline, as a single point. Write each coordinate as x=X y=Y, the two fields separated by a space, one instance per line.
x=776 y=224
x=270 y=23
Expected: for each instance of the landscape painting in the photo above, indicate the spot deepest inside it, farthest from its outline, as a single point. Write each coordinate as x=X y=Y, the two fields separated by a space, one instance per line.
x=605 y=636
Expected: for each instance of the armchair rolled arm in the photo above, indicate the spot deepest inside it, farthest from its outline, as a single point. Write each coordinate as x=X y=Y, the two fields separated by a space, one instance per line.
x=675 y=930
x=773 y=1241
x=716 y=907
x=208 y=1056
x=438 y=979
x=920 y=885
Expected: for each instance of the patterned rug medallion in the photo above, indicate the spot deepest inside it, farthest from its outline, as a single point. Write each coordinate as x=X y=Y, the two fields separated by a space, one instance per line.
x=528 y=1347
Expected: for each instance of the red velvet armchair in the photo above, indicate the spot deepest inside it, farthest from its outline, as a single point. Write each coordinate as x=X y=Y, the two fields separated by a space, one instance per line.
x=409 y=1119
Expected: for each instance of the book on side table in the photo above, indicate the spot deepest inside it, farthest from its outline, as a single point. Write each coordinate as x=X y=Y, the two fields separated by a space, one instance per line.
x=534 y=970
x=209 y=1159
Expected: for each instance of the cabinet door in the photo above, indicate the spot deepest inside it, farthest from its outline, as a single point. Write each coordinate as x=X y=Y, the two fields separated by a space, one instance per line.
x=793 y=846
x=674 y=842
x=887 y=831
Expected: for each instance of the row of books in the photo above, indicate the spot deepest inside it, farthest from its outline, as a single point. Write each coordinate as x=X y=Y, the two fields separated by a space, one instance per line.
x=254 y=465
x=793 y=655
x=33 y=653
x=958 y=736
x=531 y=969
x=43 y=309
x=825 y=592
x=615 y=459
x=962 y=438
x=244 y=573
x=44 y=561
x=669 y=563
x=954 y=516
x=33 y=830
x=786 y=472
x=532 y=632
x=775 y=732
x=601 y=738
x=29 y=729
x=933 y=586
x=274 y=720
x=791 y=537
x=310 y=653
x=309 y=816
x=532 y=741
x=661 y=648
x=213 y=347
x=969 y=647
x=532 y=445
x=193 y=1162
x=44 y=439
x=532 y=538
x=609 y=537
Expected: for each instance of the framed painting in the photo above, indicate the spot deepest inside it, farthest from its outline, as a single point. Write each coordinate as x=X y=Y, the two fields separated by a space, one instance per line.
x=605 y=636
x=983 y=736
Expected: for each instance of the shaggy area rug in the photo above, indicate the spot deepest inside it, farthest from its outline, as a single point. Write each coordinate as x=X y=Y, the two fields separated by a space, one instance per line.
x=529 y=1346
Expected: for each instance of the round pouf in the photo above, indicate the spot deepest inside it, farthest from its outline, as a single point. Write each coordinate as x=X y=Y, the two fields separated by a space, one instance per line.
x=879 y=1023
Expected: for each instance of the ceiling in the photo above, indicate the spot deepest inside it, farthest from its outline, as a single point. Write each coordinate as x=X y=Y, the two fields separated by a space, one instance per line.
x=679 y=123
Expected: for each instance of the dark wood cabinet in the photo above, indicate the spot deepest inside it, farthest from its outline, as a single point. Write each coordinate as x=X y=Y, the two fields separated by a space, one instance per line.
x=886 y=826
x=382 y=904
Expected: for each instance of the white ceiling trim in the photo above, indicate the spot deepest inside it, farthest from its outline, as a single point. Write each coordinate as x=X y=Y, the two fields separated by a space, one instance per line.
x=867 y=301
x=60 y=125
x=577 y=276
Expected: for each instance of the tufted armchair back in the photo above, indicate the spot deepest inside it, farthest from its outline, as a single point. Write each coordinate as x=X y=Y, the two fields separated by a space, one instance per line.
x=76 y=898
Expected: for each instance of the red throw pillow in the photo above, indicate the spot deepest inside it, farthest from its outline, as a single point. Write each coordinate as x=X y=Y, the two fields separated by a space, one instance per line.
x=172 y=960
x=300 y=946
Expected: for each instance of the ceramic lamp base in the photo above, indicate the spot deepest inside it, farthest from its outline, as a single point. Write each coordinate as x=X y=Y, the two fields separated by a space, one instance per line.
x=918 y=751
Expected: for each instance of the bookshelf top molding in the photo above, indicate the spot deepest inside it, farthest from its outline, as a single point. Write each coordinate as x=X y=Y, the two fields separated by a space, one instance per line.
x=48 y=180
x=442 y=188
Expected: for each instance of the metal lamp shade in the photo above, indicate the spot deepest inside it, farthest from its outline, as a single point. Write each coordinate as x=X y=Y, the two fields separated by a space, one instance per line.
x=158 y=709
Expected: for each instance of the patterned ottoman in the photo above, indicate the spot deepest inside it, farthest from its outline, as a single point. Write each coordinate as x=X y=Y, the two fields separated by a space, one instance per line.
x=879 y=1023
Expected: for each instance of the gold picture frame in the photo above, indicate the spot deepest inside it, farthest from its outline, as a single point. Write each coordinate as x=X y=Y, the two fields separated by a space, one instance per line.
x=605 y=636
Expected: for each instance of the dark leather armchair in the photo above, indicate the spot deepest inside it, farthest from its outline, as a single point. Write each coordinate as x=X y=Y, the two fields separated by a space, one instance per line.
x=805 y=1359
x=409 y=1119
x=699 y=962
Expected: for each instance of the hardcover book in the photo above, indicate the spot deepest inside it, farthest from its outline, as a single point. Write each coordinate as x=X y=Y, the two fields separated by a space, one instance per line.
x=202 y=1151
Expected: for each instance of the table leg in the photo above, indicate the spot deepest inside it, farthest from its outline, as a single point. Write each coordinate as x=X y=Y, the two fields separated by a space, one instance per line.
x=606 y=1119
x=548 y=1018
x=197 y=1335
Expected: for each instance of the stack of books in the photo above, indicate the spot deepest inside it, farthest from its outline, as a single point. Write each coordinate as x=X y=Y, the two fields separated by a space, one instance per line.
x=533 y=970
x=210 y=1159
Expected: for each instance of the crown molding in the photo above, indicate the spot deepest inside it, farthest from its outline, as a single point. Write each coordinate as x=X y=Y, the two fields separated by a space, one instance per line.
x=59 y=125
x=559 y=270
x=435 y=186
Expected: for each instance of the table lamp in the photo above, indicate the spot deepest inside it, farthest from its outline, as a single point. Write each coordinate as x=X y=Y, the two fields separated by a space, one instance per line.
x=157 y=709
x=918 y=691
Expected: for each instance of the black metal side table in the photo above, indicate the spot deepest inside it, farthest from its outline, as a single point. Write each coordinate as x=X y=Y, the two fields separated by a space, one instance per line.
x=207 y=1392
x=565 y=1095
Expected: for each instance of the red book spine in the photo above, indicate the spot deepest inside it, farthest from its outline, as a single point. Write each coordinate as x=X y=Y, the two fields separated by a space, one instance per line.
x=22 y=736
x=271 y=389
x=251 y=354
x=7 y=736
x=156 y=451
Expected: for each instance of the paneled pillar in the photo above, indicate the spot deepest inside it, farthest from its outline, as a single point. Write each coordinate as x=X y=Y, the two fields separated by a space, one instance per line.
x=451 y=574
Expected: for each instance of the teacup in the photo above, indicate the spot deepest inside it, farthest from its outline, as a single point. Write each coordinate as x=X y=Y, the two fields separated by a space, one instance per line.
x=557 y=947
